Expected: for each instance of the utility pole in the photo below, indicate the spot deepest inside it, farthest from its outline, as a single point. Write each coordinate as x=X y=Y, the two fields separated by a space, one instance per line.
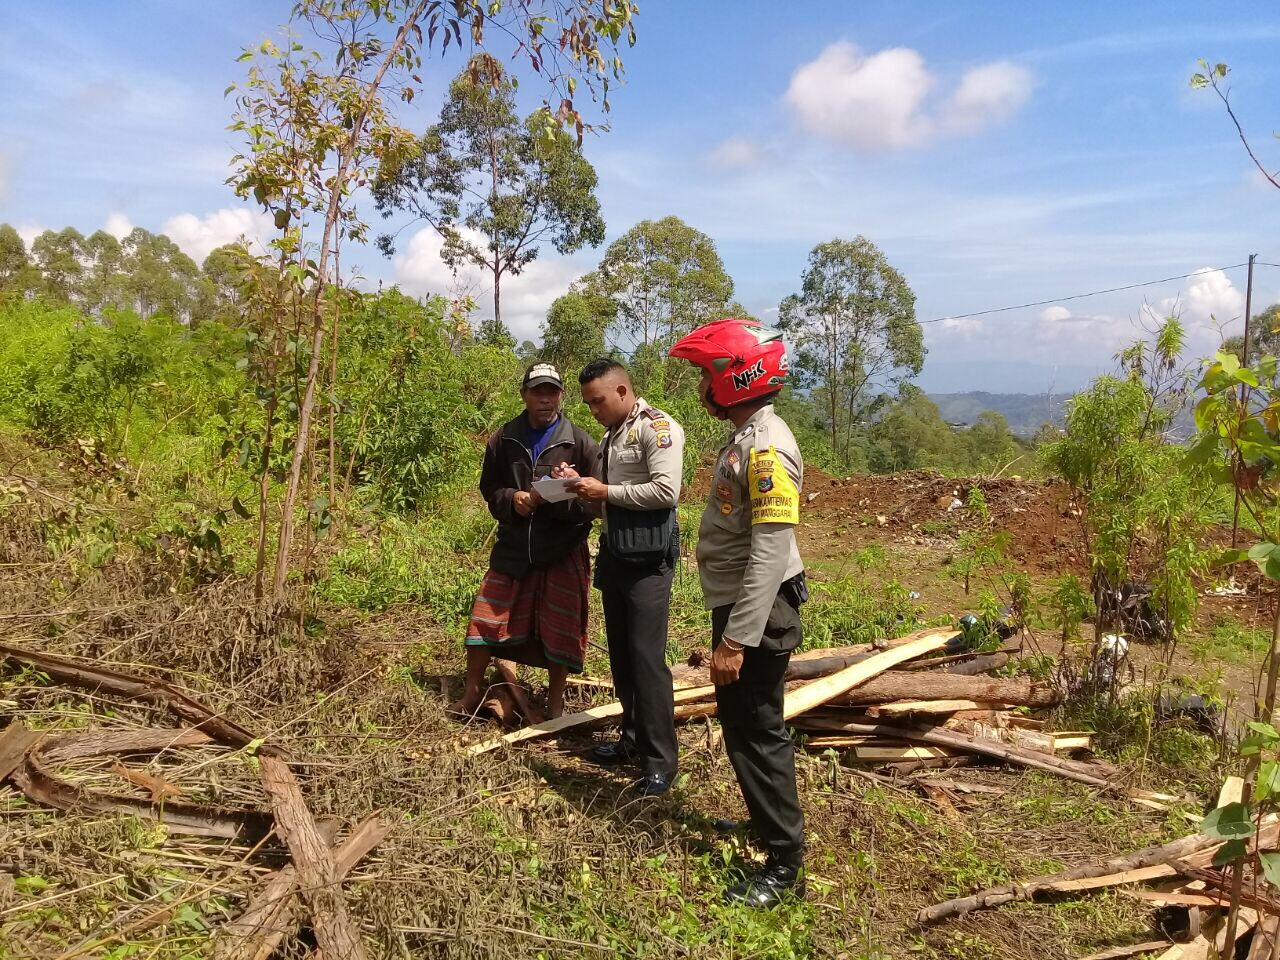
x=1244 y=390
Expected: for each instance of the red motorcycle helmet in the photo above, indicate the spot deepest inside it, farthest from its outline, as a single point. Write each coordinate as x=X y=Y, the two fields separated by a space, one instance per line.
x=746 y=360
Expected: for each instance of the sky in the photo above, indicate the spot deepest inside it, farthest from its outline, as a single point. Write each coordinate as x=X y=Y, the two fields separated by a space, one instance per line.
x=998 y=153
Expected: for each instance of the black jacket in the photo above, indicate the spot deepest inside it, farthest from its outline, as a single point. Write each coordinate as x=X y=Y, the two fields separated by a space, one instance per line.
x=545 y=538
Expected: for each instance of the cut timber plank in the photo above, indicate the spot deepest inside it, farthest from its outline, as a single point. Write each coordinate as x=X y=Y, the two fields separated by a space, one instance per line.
x=602 y=712
x=1119 y=953
x=1232 y=791
x=14 y=744
x=1137 y=875
x=891 y=753
x=821 y=691
x=1266 y=939
x=907 y=707
x=1167 y=898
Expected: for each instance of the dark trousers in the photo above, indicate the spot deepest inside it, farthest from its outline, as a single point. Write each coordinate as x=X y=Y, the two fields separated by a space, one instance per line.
x=637 y=602
x=755 y=737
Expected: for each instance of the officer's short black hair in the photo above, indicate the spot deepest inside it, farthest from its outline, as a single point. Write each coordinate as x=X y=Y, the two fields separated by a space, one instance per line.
x=599 y=368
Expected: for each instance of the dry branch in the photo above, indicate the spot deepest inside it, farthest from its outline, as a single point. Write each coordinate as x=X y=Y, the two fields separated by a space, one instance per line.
x=132 y=687
x=271 y=918
x=1146 y=864
x=335 y=934
x=39 y=783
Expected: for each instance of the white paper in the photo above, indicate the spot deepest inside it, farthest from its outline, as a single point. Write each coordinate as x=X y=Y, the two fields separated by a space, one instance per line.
x=554 y=489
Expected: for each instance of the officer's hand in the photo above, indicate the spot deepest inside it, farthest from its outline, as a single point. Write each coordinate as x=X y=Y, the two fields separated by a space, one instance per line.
x=726 y=663
x=589 y=488
x=563 y=471
x=536 y=498
x=523 y=502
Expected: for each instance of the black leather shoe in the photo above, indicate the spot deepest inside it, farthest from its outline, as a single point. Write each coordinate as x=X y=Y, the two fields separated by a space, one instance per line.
x=775 y=882
x=612 y=754
x=652 y=785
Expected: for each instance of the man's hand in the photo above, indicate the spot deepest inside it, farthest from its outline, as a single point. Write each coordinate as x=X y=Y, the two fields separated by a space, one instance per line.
x=726 y=663
x=563 y=471
x=536 y=498
x=523 y=502
x=589 y=488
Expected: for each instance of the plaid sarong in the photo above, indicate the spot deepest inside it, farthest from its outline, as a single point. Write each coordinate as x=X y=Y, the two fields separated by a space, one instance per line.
x=540 y=619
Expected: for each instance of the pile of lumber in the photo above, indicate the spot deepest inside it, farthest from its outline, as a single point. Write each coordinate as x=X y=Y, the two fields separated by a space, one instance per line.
x=922 y=699
x=1195 y=918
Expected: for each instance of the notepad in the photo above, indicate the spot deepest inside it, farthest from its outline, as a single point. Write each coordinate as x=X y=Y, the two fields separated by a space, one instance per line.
x=555 y=489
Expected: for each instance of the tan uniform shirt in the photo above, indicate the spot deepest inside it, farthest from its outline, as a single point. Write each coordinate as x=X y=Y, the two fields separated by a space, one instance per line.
x=645 y=460
x=747 y=539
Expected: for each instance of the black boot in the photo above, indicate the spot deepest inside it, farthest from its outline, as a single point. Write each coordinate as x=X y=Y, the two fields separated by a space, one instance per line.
x=778 y=879
x=614 y=754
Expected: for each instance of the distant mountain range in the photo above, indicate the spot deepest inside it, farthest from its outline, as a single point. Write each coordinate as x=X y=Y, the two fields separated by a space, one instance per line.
x=1024 y=411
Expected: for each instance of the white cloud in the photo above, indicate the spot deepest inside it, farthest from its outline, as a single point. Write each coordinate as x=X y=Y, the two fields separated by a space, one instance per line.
x=525 y=298
x=198 y=236
x=1055 y=314
x=963 y=327
x=881 y=100
x=118 y=225
x=1210 y=300
x=737 y=154
x=987 y=95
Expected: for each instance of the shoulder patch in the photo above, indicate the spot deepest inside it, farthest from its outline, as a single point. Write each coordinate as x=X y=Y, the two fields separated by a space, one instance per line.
x=774 y=497
x=664 y=439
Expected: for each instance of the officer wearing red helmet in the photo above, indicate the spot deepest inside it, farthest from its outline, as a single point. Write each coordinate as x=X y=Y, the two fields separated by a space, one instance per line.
x=753 y=583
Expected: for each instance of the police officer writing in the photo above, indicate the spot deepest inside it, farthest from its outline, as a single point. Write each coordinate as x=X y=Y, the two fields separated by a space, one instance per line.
x=641 y=461
x=753 y=584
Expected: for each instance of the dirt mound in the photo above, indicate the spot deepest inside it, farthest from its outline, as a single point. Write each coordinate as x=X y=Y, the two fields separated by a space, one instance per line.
x=928 y=508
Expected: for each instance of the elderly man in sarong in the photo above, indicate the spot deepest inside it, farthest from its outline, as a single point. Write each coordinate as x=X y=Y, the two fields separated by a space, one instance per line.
x=532 y=605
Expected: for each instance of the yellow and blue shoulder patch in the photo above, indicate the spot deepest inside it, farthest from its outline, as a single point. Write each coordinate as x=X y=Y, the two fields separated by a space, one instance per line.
x=774 y=496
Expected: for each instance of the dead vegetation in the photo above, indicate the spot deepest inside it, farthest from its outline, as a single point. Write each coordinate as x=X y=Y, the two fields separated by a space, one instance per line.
x=514 y=853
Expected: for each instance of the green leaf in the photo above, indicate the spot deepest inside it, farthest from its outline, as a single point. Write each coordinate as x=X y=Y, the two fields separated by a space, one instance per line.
x=1199 y=80
x=1271 y=867
x=1266 y=729
x=1228 y=557
x=240 y=509
x=1228 y=823
x=1230 y=851
x=1268 y=784
x=1261 y=551
x=281 y=219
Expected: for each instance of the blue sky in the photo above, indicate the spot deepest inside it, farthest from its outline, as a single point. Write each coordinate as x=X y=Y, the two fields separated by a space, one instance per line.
x=998 y=153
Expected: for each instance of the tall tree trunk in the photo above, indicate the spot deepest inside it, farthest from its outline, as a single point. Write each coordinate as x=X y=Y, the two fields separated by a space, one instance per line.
x=337 y=184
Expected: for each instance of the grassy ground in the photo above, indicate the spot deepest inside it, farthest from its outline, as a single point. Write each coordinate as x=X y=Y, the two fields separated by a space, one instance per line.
x=524 y=854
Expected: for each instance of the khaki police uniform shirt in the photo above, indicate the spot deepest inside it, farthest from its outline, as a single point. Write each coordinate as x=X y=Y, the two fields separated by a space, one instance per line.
x=747 y=539
x=645 y=460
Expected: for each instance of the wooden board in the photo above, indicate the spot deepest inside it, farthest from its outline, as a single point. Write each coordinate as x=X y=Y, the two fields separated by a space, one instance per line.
x=602 y=712
x=818 y=692
x=904 y=752
x=907 y=707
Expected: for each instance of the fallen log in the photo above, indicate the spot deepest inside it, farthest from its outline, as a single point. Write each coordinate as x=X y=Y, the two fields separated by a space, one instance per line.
x=978 y=665
x=317 y=878
x=271 y=918
x=902 y=685
x=818 y=692
x=603 y=712
x=1266 y=939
